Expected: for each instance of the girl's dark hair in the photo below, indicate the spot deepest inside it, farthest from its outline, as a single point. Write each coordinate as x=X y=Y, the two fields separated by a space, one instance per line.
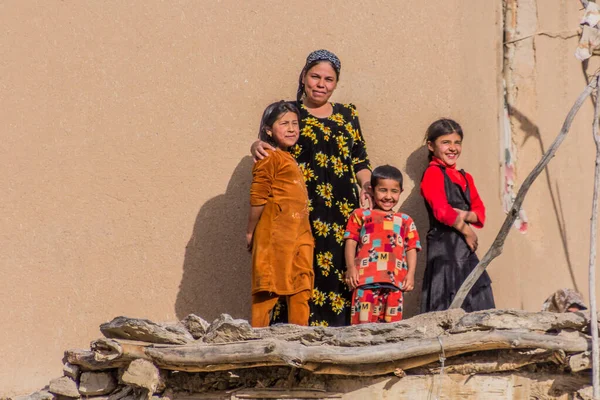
x=307 y=67
x=441 y=127
x=386 y=172
x=272 y=114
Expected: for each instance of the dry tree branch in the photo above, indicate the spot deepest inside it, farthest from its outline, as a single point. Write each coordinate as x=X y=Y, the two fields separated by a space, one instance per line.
x=592 y=264
x=496 y=249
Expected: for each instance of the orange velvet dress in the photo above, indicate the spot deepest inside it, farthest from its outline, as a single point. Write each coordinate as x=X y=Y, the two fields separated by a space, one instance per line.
x=282 y=249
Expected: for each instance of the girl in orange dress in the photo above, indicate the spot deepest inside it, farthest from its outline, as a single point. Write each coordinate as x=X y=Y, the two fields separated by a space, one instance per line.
x=279 y=233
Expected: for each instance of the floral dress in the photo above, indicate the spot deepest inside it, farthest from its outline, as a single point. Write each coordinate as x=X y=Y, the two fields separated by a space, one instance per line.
x=330 y=151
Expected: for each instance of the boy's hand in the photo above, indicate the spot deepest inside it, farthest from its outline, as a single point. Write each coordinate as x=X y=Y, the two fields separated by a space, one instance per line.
x=352 y=277
x=249 y=237
x=409 y=283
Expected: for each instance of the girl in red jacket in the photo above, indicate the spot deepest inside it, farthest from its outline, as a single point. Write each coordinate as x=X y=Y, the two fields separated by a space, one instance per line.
x=454 y=208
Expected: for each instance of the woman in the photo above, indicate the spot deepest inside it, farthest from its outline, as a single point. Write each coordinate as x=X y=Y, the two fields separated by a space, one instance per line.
x=333 y=157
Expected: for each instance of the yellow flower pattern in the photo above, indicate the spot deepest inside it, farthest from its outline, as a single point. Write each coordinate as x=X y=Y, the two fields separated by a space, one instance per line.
x=318 y=297
x=345 y=207
x=308 y=132
x=321 y=228
x=338 y=231
x=337 y=302
x=338 y=119
x=338 y=166
x=325 y=190
x=321 y=159
x=325 y=262
x=295 y=150
x=307 y=172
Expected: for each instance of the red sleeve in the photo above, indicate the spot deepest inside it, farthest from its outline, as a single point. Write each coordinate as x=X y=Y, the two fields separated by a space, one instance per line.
x=434 y=192
x=355 y=223
x=476 y=204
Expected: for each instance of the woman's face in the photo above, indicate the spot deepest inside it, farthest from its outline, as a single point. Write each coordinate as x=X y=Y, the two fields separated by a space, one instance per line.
x=285 y=130
x=319 y=83
x=447 y=148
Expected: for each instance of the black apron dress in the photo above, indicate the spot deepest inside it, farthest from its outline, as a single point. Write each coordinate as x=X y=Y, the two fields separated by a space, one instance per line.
x=450 y=261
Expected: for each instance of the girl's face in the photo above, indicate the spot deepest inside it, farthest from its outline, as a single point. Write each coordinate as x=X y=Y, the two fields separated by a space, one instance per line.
x=285 y=130
x=319 y=83
x=447 y=148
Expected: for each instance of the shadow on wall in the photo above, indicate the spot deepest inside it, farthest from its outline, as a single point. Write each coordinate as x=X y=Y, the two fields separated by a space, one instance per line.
x=414 y=206
x=217 y=267
x=531 y=130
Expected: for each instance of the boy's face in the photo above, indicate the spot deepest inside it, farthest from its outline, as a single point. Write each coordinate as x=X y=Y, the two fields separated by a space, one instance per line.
x=386 y=194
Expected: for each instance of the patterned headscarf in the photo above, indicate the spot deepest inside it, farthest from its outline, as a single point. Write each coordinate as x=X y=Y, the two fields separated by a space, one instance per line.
x=562 y=300
x=317 y=55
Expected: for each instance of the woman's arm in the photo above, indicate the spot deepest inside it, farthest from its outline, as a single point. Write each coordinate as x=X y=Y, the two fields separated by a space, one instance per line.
x=366 y=194
x=259 y=150
x=360 y=159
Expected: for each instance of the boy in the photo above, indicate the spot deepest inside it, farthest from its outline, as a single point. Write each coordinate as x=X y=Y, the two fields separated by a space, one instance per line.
x=384 y=265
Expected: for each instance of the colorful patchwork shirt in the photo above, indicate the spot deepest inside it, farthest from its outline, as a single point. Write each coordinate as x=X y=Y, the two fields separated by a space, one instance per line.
x=383 y=239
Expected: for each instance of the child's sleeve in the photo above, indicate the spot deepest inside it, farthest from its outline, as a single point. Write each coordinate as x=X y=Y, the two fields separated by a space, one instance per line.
x=411 y=239
x=477 y=205
x=263 y=175
x=354 y=225
x=434 y=193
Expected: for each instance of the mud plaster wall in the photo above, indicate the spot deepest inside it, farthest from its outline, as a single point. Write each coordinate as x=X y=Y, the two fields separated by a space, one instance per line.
x=125 y=136
x=544 y=78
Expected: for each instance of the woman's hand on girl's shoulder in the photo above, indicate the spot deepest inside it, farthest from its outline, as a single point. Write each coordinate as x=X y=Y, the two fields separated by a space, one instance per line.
x=259 y=150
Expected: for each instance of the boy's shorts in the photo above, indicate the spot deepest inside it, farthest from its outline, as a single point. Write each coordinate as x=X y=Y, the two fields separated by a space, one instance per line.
x=376 y=305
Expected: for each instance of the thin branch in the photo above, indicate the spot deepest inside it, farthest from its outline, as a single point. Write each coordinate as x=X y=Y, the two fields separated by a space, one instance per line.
x=496 y=249
x=592 y=264
x=561 y=35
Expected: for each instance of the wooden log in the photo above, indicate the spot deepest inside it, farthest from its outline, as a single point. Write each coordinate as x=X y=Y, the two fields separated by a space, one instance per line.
x=87 y=361
x=495 y=361
x=105 y=356
x=145 y=330
x=517 y=319
x=347 y=360
x=428 y=325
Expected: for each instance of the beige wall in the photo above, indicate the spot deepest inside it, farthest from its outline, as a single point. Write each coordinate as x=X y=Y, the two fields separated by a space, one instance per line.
x=125 y=136
x=546 y=79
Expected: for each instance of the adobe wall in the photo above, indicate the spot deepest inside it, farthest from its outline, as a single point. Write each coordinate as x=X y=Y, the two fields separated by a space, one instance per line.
x=126 y=129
